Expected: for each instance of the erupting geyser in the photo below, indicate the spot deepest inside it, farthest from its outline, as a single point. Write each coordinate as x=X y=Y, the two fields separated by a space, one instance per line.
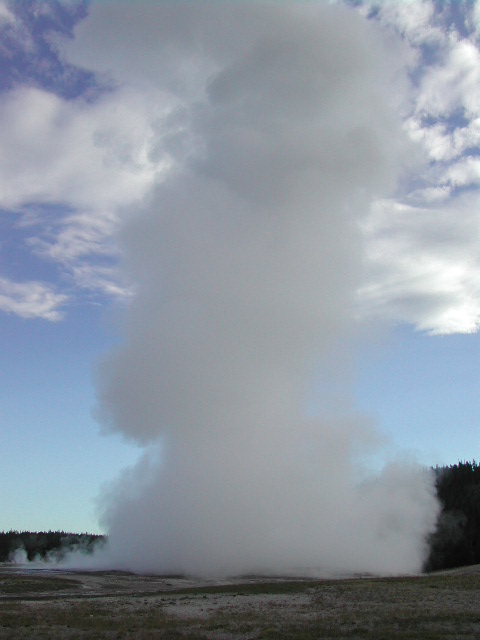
x=275 y=136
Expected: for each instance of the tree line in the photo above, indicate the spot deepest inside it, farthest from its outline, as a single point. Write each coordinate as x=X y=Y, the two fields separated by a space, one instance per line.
x=456 y=539
x=41 y=545
x=454 y=543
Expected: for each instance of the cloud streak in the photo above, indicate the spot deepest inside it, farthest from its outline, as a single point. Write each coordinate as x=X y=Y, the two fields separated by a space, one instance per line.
x=85 y=160
x=421 y=266
x=31 y=300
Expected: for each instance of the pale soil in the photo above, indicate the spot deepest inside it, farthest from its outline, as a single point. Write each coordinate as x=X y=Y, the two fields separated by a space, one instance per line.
x=69 y=604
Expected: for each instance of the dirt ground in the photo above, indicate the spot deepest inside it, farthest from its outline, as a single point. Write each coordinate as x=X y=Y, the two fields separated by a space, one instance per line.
x=69 y=604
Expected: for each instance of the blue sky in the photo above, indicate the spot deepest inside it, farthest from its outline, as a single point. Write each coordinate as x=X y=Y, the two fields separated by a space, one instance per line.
x=85 y=142
x=424 y=392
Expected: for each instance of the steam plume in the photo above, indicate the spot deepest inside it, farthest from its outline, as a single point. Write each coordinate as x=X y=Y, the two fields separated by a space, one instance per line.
x=246 y=258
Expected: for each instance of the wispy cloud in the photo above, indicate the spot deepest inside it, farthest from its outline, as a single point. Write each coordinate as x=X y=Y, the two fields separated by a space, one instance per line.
x=79 y=235
x=7 y=18
x=106 y=280
x=422 y=265
x=13 y=34
x=92 y=160
x=31 y=300
x=76 y=153
x=422 y=255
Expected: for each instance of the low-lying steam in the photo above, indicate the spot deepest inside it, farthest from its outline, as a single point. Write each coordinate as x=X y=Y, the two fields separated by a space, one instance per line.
x=246 y=258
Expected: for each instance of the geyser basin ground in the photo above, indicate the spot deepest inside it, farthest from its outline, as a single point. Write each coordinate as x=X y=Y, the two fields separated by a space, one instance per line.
x=67 y=604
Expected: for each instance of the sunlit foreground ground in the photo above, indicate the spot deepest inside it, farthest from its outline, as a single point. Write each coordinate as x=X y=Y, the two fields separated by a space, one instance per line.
x=65 y=604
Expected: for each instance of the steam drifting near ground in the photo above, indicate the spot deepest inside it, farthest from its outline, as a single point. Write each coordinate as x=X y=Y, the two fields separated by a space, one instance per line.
x=279 y=126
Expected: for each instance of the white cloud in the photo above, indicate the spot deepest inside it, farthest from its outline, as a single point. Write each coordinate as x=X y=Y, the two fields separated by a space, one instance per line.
x=81 y=243
x=31 y=300
x=467 y=138
x=412 y=18
x=435 y=139
x=455 y=84
x=106 y=280
x=14 y=35
x=86 y=155
x=476 y=19
x=411 y=275
x=6 y=16
x=422 y=265
x=442 y=144
x=464 y=173
x=92 y=159
x=427 y=195
x=80 y=235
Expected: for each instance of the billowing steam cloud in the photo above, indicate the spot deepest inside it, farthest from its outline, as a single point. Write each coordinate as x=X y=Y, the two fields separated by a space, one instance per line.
x=246 y=258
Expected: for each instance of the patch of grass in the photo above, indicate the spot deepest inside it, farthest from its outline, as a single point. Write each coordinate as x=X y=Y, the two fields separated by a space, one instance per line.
x=20 y=584
x=250 y=588
x=467 y=581
x=424 y=608
x=84 y=620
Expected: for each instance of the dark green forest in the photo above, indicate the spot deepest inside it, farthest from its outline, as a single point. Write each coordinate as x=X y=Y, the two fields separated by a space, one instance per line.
x=42 y=545
x=455 y=542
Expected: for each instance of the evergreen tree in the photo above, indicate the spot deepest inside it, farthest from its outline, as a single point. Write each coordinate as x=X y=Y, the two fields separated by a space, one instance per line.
x=456 y=540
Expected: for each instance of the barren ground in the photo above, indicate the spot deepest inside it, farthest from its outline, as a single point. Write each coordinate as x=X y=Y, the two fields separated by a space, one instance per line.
x=100 y=605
